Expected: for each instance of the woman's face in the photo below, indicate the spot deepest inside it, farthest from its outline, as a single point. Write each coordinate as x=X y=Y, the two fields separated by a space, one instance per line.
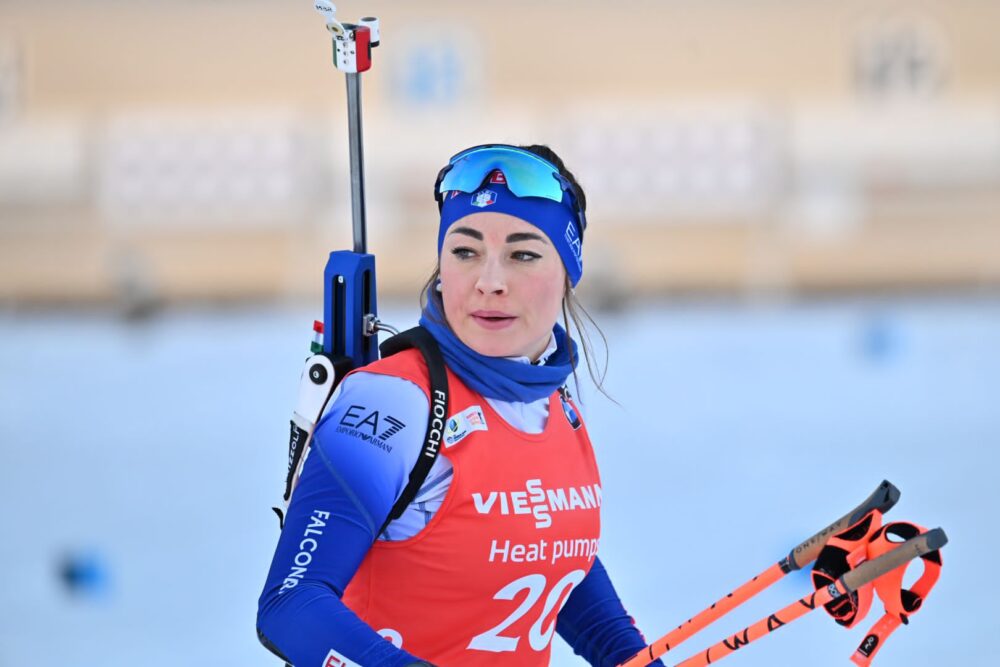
x=502 y=284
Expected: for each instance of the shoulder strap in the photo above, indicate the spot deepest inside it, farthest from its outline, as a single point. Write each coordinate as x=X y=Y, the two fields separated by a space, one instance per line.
x=422 y=340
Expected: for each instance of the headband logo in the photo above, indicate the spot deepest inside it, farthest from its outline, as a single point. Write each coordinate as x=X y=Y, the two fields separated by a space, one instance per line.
x=498 y=177
x=573 y=239
x=334 y=659
x=484 y=198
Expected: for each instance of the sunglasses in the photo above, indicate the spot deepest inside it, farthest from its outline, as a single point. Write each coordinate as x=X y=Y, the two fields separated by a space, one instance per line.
x=526 y=175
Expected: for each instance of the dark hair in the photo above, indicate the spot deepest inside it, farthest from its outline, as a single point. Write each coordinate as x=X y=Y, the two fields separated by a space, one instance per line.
x=573 y=310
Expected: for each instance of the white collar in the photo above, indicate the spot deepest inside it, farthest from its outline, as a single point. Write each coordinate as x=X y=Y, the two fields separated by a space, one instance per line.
x=546 y=353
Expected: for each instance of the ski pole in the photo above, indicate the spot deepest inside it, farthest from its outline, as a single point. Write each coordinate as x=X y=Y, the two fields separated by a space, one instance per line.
x=851 y=581
x=882 y=499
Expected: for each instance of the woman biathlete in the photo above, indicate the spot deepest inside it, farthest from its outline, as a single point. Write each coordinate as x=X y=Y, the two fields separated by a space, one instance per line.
x=497 y=551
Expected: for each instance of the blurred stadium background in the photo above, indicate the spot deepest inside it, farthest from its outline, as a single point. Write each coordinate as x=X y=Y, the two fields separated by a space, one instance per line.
x=794 y=207
x=196 y=150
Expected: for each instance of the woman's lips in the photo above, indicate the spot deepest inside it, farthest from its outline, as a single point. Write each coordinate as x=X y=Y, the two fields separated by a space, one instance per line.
x=492 y=319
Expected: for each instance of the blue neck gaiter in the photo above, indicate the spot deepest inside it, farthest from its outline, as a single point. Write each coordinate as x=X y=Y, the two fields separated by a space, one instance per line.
x=497 y=377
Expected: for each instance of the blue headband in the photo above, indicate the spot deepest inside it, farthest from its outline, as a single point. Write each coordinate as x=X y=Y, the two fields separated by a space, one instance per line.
x=557 y=220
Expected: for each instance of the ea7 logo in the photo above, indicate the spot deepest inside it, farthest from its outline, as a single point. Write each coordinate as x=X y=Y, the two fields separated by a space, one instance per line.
x=360 y=418
x=574 y=241
x=395 y=426
x=334 y=659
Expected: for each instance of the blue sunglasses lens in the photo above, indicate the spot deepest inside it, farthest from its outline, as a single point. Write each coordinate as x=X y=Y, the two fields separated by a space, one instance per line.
x=527 y=175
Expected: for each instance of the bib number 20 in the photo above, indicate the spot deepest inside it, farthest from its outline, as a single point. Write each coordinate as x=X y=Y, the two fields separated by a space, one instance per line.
x=539 y=639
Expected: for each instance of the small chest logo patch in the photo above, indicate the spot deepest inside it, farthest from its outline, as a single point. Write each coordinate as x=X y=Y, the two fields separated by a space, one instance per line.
x=461 y=425
x=571 y=416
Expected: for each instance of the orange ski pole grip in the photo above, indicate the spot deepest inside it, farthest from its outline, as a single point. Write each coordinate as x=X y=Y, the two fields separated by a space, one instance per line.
x=900 y=603
x=863 y=575
x=882 y=500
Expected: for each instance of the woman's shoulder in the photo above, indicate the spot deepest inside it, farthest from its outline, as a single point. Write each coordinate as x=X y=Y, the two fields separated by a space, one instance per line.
x=407 y=365
x=364 y=400
x=395 y=382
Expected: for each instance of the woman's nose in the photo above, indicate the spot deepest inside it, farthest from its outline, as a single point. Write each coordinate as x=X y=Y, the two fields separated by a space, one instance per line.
x=491 y=279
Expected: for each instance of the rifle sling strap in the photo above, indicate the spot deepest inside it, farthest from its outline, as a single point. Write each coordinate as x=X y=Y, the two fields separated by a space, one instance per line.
x=422 y=340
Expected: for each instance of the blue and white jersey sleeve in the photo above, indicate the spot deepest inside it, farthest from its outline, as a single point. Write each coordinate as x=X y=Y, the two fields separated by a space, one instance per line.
x=359 y=463
x=595 y=624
